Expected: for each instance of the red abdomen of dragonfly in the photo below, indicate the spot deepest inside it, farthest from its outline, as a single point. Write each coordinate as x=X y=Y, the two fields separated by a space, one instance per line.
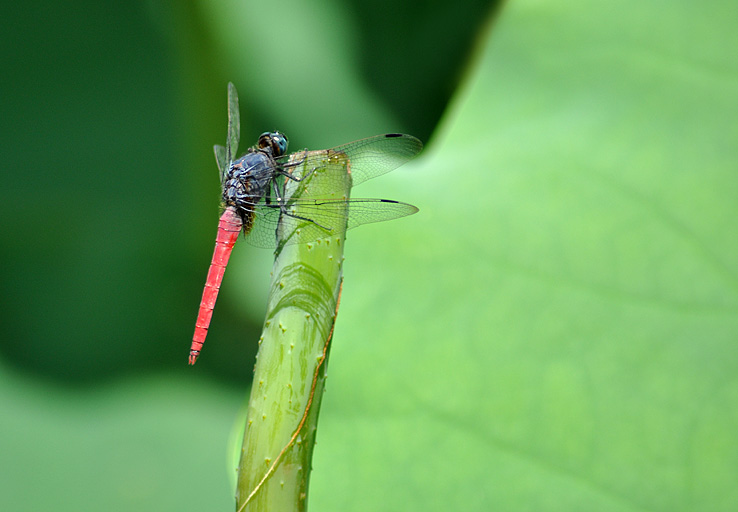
x=229 y=227
x=245 y=183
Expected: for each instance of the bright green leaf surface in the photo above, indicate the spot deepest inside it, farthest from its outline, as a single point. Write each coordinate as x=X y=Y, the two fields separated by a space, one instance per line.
x=557 y=329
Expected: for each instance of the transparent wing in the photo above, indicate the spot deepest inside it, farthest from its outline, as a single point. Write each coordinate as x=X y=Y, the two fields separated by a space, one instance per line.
x=326 y=216
x=369 y=158
x=314 y=212
x=234 y=124
x=222 y=160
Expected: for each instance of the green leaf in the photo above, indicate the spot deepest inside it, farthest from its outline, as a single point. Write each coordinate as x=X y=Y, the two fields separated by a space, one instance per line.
x=557 y=328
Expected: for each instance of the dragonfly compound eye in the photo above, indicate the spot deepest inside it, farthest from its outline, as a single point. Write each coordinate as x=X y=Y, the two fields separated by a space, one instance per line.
x=279 y=144
x=274 y=141
x=264 y=140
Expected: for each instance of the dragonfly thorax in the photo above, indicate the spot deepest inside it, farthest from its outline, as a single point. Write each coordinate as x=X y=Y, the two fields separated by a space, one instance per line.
x=247 y=181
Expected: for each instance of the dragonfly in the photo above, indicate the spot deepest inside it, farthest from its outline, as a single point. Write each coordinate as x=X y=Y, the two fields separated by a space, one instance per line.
x=256 y=201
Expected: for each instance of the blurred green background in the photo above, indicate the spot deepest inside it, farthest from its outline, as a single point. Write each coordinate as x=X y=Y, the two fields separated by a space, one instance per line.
x=556 y=329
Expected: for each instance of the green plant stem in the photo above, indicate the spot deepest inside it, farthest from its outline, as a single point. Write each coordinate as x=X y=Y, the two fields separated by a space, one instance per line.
x=291 y=364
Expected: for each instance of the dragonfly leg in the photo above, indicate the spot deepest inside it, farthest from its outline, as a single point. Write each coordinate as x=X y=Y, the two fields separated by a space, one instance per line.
x=279 y=195
x=291 y=176
x=306 y=219
x=295 y=164
x=268 y=195
x=282 y=204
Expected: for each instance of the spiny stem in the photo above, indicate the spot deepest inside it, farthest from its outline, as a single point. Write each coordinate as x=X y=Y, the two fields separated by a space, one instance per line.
x=290 y=370
x=322 y=361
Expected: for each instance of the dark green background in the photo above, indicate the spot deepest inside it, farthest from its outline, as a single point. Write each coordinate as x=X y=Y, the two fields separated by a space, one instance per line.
x=556 y=330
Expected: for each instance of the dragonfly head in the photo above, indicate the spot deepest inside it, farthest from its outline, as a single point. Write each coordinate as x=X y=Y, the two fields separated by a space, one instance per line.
x=274 y=142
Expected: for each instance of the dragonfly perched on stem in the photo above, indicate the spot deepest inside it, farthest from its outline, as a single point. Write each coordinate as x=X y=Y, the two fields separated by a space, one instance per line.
x=258 y=202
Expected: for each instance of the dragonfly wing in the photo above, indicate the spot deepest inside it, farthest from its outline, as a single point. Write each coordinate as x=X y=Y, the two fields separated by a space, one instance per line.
x=269 y=222
x=367 y=211
x=319 y=218
x=370 y=157
x=222 y=160
x=309 y=210
x=234 y=124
